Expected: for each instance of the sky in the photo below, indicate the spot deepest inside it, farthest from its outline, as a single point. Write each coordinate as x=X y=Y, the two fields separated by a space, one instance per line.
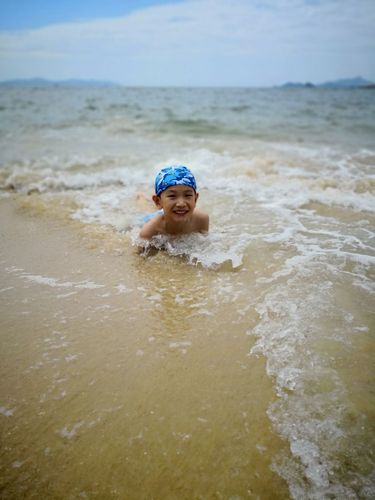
x=188 y=42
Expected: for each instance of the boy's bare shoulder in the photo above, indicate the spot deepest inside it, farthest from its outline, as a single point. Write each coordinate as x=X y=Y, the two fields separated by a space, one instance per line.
x=201 y=221
x=151 y=228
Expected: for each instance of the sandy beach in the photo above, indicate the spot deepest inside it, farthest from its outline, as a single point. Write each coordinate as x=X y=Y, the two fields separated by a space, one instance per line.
x=111 y=388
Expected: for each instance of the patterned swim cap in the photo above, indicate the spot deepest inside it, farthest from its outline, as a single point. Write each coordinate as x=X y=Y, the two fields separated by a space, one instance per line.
x=172 y=176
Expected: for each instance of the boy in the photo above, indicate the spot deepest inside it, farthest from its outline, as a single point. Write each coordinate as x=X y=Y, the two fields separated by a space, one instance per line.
x=176 y=195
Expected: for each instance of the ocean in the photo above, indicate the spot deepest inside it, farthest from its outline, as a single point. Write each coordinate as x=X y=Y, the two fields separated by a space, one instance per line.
x=238 y=364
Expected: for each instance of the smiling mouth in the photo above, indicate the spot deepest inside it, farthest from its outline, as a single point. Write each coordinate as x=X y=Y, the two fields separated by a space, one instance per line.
x=181 y=212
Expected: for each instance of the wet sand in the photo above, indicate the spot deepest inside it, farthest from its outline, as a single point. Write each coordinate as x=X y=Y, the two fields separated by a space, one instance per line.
x=122 y=377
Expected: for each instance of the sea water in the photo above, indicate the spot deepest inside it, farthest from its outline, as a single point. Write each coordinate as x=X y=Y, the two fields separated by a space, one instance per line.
x=282 y=285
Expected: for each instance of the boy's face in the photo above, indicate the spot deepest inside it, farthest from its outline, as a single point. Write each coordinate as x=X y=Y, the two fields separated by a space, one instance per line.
x=178 y=202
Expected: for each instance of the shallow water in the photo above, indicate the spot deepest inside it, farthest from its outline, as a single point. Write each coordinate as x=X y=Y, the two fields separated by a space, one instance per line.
x=233 y=365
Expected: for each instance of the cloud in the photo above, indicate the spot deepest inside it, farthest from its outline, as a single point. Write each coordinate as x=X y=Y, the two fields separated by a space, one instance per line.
x=203 y=42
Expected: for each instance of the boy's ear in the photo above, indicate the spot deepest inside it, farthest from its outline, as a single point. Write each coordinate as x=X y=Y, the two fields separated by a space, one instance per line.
x=157 y=201
x=196 y=197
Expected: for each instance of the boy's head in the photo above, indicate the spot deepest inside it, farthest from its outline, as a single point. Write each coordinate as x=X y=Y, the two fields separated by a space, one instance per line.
x=172 y=176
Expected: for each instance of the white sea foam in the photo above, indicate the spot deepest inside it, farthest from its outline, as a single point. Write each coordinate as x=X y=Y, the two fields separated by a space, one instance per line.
x=123 y=288
x=58 y=175
x=213 y=251
x=69 y=434
x=17 y=464
x=55 y=283
x=181 y=343
x=313 y=420
x=65 y=295
x=7 y=412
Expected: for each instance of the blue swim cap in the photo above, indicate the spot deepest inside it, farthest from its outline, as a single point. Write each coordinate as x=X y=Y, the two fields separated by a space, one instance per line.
x=172 y=176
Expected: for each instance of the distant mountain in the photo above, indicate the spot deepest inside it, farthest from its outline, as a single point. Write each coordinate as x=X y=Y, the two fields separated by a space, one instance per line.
x=41 y=82
x=297 y=85
x=346 y=83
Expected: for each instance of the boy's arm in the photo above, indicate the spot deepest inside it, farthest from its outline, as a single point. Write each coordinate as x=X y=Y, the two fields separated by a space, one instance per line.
x=203 y=221
x=146 y=233
x=206 y=223
x=150 y=229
